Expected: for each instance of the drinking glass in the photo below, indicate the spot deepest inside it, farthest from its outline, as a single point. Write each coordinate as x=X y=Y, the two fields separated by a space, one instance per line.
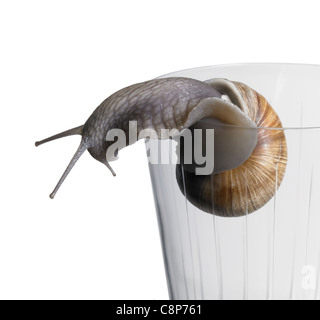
x=274 y=252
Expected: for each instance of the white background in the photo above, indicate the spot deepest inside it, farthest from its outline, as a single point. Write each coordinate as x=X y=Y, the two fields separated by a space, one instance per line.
x=98 y=239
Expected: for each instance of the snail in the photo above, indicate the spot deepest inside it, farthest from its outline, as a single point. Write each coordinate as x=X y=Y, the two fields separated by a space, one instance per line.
x=249 y=158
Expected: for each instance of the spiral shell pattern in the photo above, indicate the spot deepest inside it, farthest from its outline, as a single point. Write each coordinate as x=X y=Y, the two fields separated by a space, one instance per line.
x=250 y=186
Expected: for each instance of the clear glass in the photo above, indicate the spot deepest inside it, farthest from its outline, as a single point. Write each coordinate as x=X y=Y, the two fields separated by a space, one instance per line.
x=273 y=253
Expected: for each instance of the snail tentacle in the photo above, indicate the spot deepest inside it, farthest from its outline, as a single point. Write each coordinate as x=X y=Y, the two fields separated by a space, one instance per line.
x=81 y=149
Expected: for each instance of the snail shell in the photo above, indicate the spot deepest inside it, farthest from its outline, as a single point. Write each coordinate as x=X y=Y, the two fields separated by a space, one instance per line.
x=251 y=185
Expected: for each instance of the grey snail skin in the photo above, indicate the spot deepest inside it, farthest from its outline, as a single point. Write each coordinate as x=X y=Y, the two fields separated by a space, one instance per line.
x=249 y=159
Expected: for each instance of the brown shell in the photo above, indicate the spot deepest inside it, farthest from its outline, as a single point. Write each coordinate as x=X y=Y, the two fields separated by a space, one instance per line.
x=247 y=188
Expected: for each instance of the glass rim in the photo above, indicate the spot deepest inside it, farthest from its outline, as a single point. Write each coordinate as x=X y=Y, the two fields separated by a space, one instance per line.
x=253 y=64
x=231 y=126
x=243 y=64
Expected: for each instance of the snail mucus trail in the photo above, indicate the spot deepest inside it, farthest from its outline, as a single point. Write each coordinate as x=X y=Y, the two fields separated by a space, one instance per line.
x=249 y=163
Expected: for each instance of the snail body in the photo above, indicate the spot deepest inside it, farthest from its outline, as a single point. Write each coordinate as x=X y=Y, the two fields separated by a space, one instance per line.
x=182 y=103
